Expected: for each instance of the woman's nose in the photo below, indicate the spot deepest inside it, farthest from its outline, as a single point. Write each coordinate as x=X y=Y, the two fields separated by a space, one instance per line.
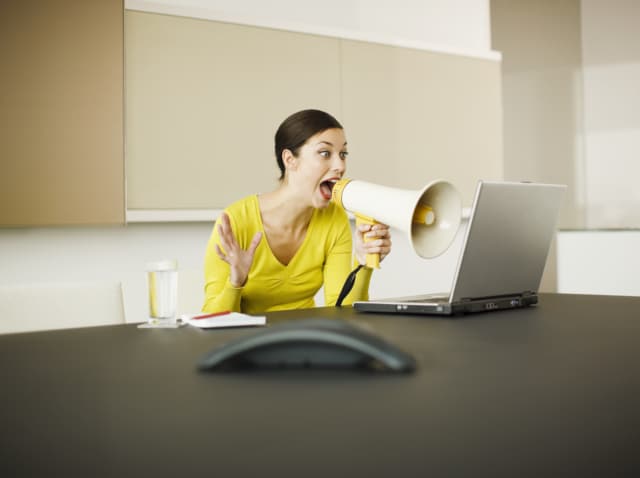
x=338 y=164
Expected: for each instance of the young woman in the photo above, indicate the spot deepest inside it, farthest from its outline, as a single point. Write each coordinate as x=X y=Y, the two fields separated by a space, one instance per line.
x=274 y=251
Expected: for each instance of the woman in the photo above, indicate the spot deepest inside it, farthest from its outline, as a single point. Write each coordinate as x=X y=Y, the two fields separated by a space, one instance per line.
x=274 y=251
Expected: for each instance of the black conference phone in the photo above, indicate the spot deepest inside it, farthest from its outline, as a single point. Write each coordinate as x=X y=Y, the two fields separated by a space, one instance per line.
x=309 y=344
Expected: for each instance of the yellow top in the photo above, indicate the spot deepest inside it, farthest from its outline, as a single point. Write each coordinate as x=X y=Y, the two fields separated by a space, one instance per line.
x=324 y=258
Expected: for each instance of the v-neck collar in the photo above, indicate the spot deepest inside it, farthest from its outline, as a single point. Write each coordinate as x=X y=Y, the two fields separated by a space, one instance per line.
x=264 y=233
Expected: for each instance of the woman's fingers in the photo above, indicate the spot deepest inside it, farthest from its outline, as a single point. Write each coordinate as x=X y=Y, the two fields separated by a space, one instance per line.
x=227 y=239
x=221 y=254
x=377 y=230
x=229 y=250
x=378 y=240
x=379 y=246
x=254 y=243
x=224 y=225
x=372 y=239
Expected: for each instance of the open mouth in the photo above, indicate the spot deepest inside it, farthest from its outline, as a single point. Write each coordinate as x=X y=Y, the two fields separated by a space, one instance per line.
x=326 y=187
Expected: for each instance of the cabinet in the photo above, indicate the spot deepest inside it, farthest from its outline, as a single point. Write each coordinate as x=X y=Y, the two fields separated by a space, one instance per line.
x=415 y=116
x=195 y=104
x=61 y=114
x=204 y=99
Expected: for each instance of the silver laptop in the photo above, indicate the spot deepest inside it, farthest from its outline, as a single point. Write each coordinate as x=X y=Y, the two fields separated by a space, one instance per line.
x=502 y=257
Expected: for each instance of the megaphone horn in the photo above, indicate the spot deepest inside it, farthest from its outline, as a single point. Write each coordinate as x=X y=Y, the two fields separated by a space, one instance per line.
x=430 y=217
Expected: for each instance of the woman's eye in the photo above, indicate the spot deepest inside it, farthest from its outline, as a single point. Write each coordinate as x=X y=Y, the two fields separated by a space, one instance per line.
x=325 y=154
x=344 y=154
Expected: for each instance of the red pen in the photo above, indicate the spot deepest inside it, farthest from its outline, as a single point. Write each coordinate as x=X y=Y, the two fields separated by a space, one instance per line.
x=206 y=316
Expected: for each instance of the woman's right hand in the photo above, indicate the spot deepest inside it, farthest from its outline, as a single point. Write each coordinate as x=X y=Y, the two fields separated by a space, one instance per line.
x=239 y=259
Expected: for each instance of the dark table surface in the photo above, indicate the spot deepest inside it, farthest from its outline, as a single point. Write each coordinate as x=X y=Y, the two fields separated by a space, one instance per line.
x=549 y=391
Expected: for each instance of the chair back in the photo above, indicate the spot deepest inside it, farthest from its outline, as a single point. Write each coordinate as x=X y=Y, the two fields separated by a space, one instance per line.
x=47 y=306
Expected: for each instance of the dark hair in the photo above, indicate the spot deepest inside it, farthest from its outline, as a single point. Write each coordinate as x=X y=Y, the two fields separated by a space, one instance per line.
x=297 y=129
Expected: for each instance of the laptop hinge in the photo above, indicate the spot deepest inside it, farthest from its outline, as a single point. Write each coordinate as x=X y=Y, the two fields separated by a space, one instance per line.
x=526 y=294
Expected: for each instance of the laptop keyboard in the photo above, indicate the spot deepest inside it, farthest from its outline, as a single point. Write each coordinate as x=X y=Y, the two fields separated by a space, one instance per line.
x=428 y=298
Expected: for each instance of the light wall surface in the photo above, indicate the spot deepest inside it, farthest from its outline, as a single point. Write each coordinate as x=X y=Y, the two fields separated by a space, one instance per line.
x=74 y=254
x=95 y=254
x=611 y=62
x=571 y=72
x=542 y=101
x=542 y=95
x=599 y=262
x=603 y=258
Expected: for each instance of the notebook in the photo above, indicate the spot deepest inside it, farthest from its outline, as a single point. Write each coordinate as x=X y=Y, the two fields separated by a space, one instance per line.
x=503 y=253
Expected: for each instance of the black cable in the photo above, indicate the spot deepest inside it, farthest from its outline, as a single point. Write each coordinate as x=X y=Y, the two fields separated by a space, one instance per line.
x=348 y=285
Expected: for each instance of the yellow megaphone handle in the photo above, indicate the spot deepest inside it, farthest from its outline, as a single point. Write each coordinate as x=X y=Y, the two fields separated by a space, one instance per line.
x=372 y=260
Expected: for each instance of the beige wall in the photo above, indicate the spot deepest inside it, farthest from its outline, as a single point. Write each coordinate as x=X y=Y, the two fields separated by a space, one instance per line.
x=540 y=41
x=203 y=100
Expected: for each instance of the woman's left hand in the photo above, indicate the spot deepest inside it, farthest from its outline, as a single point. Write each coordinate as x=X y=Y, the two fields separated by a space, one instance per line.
x=378 y=241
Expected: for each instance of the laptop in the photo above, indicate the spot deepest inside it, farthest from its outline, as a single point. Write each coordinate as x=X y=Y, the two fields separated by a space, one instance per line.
x=503 y=253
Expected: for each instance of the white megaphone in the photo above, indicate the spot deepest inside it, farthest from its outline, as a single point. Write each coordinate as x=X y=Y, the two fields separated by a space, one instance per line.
x=430 y=217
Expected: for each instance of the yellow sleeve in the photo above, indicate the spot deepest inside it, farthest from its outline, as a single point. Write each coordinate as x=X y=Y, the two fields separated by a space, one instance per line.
x=338 y=265
x=220 y=295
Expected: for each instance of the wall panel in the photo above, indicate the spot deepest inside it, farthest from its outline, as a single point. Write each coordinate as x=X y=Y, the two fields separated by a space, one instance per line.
x=204 y=99
x=415 y=116
x=61 y=112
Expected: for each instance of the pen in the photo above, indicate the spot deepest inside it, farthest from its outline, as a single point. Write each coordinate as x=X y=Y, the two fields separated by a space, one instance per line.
x=206 y=316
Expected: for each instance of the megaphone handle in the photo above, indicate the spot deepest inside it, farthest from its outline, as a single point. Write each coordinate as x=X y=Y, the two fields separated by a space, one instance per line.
x=373 y=260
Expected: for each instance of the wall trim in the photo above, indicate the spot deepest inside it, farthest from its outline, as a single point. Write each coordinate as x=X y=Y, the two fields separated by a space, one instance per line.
x=216 y=15
x=172 y=215
x=201 y=215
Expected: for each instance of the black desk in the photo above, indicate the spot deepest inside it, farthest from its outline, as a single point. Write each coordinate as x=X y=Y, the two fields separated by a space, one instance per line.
x=550 y=391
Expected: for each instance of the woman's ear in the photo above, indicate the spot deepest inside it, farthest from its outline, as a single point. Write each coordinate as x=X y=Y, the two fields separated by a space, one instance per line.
x=289 y=160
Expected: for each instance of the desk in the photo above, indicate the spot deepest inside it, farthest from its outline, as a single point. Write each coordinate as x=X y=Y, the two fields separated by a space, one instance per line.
x=548 y=391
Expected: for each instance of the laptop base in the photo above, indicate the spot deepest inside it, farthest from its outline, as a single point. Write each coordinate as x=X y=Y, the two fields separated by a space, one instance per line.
x=465 y=306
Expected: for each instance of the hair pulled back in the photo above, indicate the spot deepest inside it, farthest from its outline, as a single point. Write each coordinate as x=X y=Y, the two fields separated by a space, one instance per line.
x=297 y=129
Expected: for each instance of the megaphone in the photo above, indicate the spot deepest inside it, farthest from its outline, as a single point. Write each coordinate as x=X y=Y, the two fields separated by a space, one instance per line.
x=430 y=217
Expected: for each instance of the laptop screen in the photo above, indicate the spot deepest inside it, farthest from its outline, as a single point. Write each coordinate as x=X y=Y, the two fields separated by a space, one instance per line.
x=507 y=239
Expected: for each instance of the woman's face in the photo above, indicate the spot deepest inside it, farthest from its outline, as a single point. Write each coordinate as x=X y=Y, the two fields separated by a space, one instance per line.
x=321 y=161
